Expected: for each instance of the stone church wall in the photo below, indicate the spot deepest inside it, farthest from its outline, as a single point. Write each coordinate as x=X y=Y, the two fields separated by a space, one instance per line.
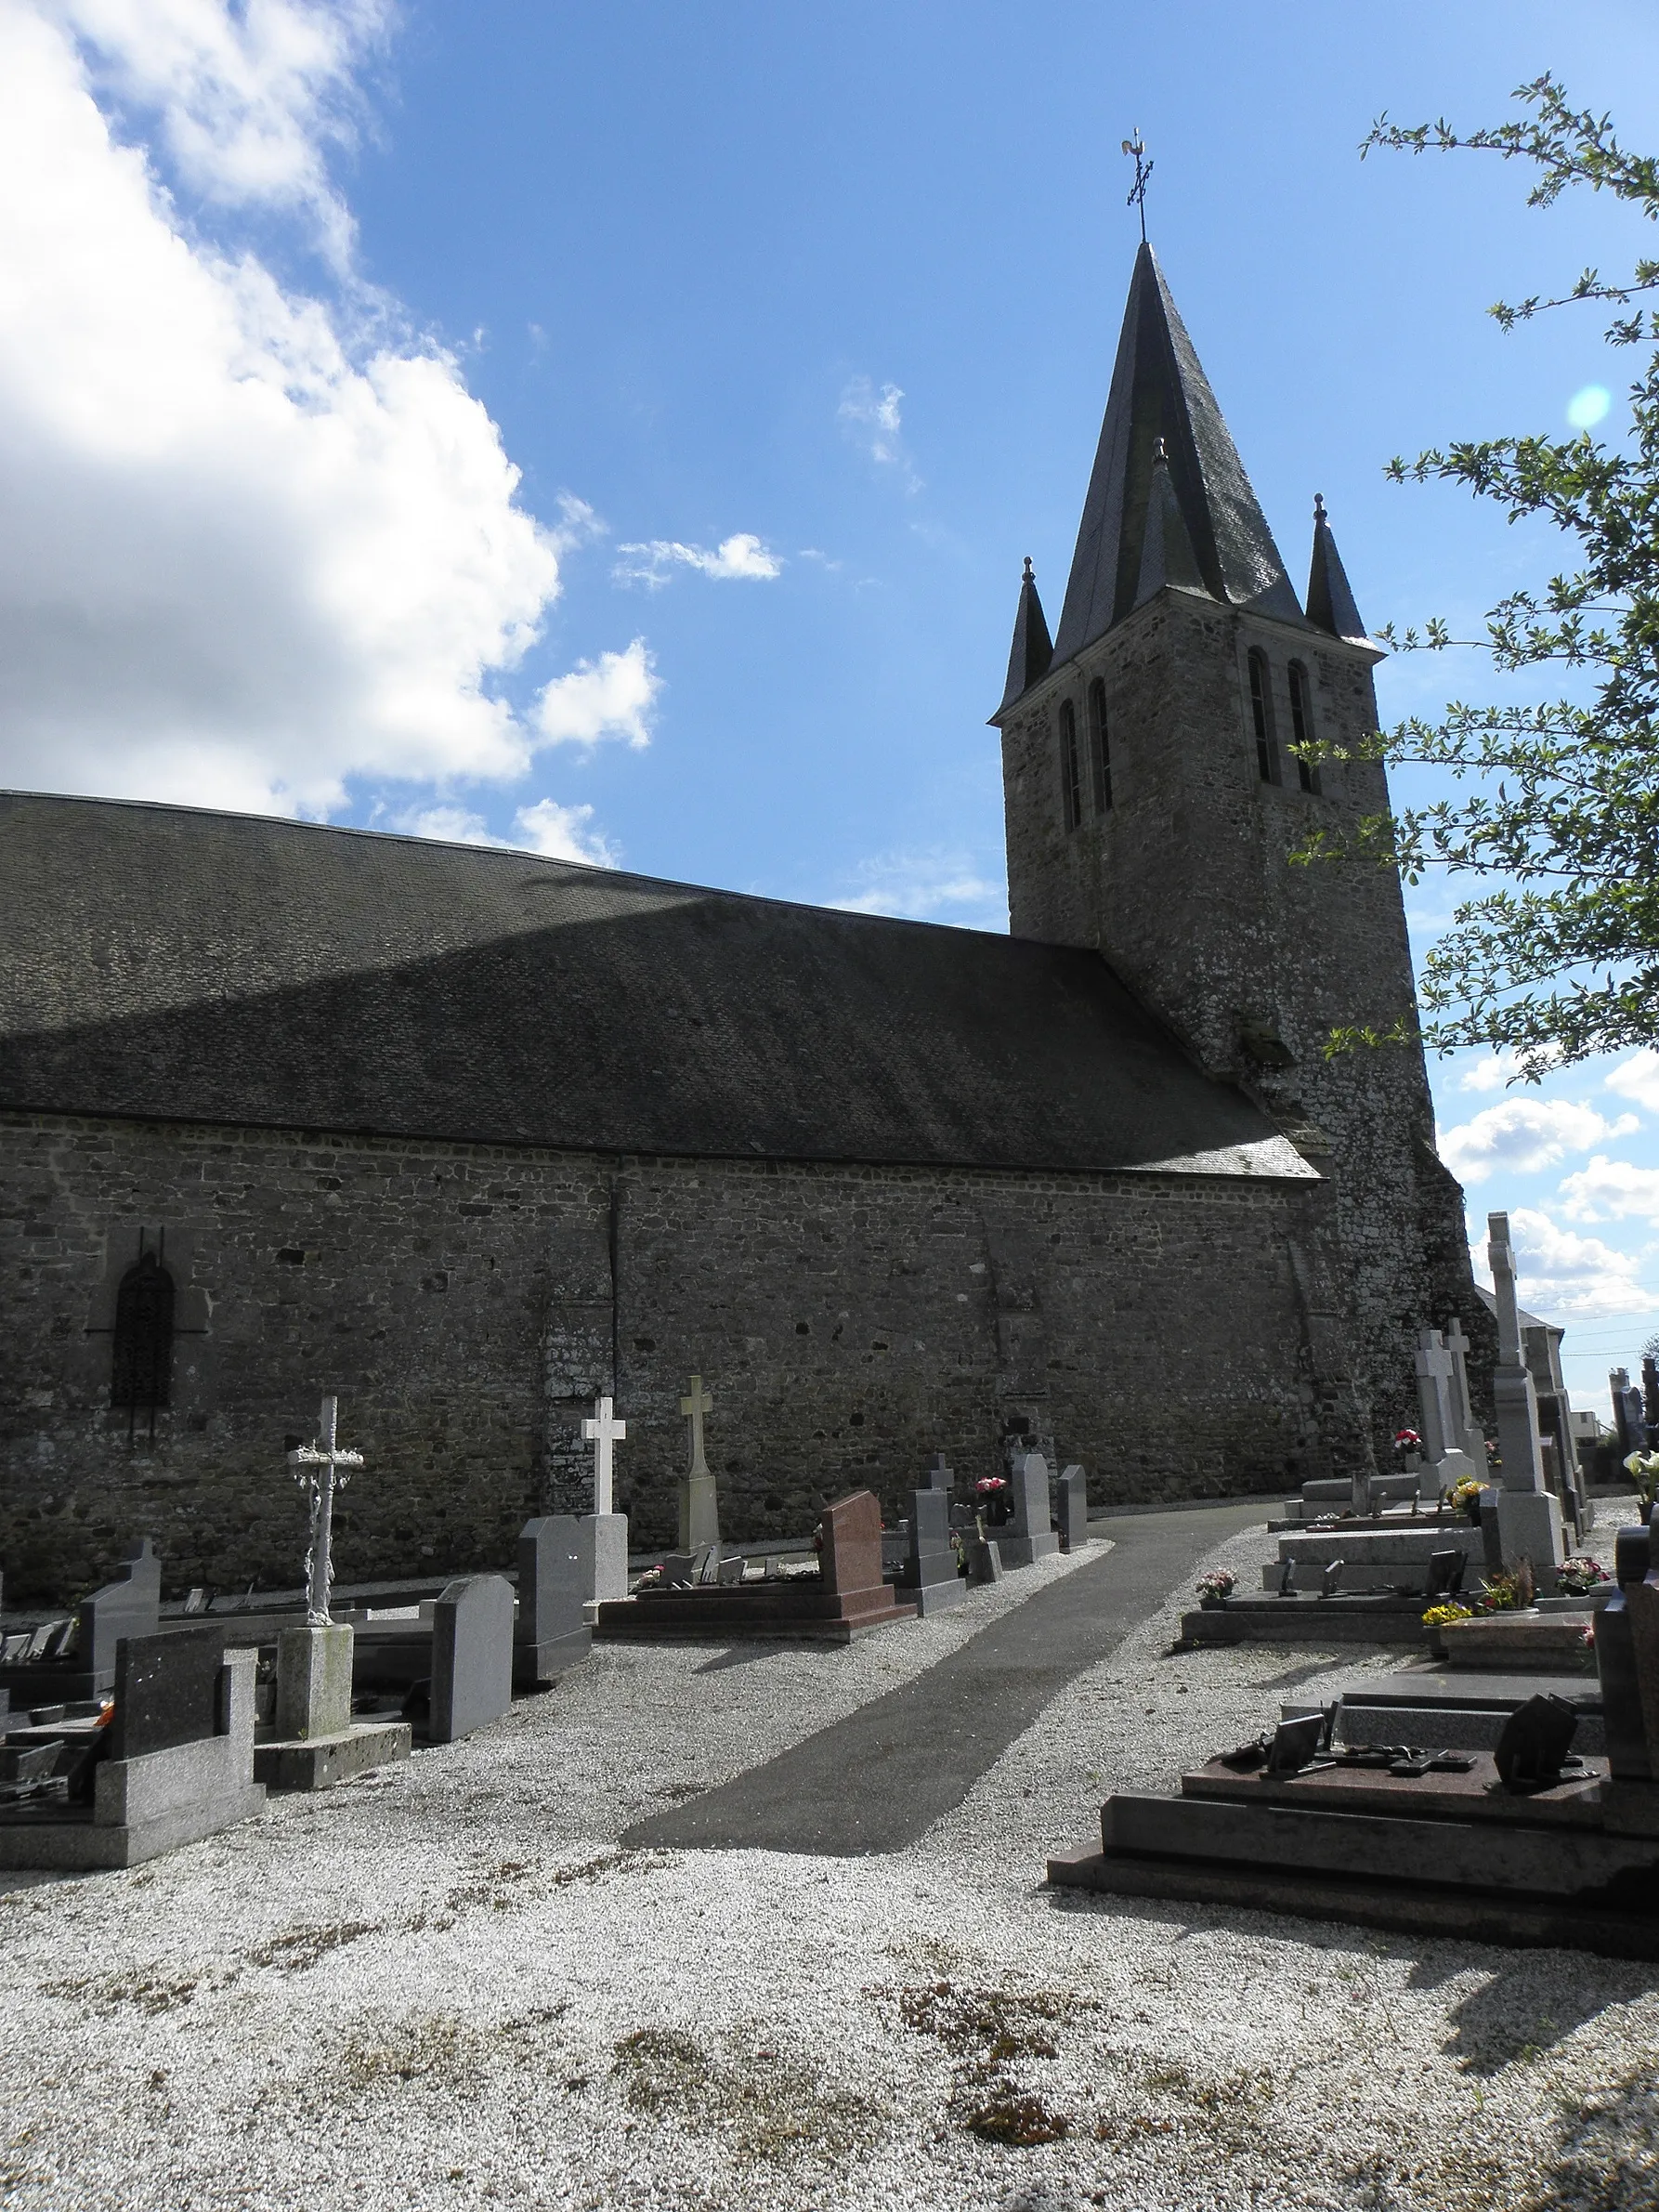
x=465 y=1301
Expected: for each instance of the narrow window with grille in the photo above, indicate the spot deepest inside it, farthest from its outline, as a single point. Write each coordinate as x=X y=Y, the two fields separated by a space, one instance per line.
x=1071 y=777
x=141 y=1361
x=1101 y=760
x=1261 y=718
x=1301 y=724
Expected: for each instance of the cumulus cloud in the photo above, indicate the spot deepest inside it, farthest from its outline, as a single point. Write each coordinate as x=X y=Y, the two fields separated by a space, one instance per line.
x=251 y=557
x=1612 y=1190
x=556 y=832
x=1524 y=1136
x=871 y=418
x=1637 y=1078
x=918 y=885
x=742 y=557
x=1496 y=1071
x=1561 y=1273
x=608 y=698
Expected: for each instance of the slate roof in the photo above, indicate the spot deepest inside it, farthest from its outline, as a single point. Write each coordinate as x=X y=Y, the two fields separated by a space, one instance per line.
x=1159 y=391
x=169 y=963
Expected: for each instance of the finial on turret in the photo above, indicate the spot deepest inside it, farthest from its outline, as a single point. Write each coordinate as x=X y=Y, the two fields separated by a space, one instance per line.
x=1030 y=573
x=1160 y=456
x=1318 y=506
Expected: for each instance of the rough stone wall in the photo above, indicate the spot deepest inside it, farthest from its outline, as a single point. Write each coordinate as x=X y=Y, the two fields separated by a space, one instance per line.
x=1186 y=885
x=465 y=1301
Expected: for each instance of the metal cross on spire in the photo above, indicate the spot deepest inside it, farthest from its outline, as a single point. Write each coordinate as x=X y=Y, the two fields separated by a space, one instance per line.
x=322 y=1468
x=1137 y=197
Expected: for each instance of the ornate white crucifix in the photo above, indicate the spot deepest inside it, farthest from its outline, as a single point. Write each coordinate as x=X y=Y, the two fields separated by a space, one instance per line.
x=604 y=1433
x=322 y=1468
x=693 y=1406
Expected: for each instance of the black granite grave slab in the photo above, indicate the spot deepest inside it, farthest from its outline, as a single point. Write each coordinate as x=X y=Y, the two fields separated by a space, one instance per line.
x=166 y=1691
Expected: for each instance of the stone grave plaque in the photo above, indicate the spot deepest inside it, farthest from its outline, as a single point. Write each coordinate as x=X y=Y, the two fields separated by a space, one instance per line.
x=1074 y=1509
x=852 y=1556
x=472 y=1656
x=166 y=1691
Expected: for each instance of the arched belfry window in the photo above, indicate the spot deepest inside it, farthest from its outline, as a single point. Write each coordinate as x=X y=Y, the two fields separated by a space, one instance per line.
x=141 y=1365
x=1301 y=724
x=1099 y=749
x=1261 y=718
x=1071 y=773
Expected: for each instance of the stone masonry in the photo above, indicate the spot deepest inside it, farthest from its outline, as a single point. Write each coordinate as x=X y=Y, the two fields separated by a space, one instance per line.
x=468 y=1302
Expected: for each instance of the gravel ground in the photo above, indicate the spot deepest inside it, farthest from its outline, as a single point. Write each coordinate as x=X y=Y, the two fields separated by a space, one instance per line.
x=445 y=1985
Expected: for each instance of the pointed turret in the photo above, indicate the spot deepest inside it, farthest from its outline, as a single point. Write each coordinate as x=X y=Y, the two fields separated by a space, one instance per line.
x=1167 y=555
x=1159 y=391
x=1331 y=601
x=1032 y=651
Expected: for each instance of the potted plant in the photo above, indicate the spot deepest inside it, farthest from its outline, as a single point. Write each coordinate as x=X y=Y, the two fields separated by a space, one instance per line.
x=1436 y=1620
x=994 y=1501
x=1465 y=1496
x=1643 y=1469
x=1577 y=1577
x=1215 y=1589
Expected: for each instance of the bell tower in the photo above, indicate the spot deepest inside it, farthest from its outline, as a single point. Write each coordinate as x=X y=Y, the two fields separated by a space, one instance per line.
x=1153 y=798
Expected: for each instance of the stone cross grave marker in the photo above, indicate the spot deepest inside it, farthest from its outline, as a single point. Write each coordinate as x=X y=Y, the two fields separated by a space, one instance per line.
x=1471 y=1436
x=930 y=1570
x=1626 y=1413
x=1529 y=1517
x=1447 y=1461
x=699 y=1507
x=939 y=1475
x=604 y=1431
x=321 y=1469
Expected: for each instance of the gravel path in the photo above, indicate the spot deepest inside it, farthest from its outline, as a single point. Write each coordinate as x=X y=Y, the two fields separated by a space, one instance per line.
x=450 y=1986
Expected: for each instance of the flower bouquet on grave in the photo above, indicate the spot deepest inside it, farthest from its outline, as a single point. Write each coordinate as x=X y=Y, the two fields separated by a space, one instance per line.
x=1408 y=1449
x=1578 y=1575
x=1643 y=1469
x=1437 y=1618
x=994 y=1501
x=1511 y=1590
x=1465 y=1496
x=1215 y=1587
x=651 y=1579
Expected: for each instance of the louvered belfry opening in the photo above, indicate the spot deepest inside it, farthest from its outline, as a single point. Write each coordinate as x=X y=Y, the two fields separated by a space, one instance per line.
x=141 y=1361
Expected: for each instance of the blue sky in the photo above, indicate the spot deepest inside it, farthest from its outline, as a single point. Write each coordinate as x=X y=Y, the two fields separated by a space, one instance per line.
x=796 y=326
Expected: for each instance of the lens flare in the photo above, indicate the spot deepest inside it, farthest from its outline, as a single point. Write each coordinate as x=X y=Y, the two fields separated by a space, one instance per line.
x=1586 y=409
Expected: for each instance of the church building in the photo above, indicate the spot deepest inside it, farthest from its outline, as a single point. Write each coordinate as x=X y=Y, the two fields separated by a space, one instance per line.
x=471 y=1137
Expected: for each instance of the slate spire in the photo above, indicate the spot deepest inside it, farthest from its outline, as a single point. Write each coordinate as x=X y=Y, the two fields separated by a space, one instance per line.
x=1032 y=651
x=1331 y=601
x=1167 y=555
x=1159 y=391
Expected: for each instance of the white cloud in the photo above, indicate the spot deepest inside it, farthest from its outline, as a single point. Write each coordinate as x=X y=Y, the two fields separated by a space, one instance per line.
x=1561 y=1274
x=251 y=557
x=1612 y=1190
x=611 y=697
x=872 y=419
x=1524 y=1136
x=556 y=832
x=1496 y=1071
x=918 y=885
x=1637 y=1078
x=246 y=100
x=742 y=557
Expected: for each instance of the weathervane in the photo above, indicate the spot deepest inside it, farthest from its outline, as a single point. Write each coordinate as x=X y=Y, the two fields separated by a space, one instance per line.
x=1143 y=174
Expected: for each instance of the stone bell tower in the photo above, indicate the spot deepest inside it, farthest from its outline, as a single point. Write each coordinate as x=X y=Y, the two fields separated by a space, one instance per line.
x=1153 y=799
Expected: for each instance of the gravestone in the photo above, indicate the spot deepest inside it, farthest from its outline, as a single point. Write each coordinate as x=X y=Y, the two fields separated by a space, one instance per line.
x=1448 y=1462
x=939 y=1475
x=604 y=1531
x=166 y=1691
x=930 y=1570
x=1624 y=1722
x=1468 y=1434
x=313 y=1662
x=128 y=1606
x=1073 y=1510
x=550 y=1631
x=472 y=1656
x=1626 y=1414
x=699 y=1508
x=1029 y=1534
x=1529 y=1518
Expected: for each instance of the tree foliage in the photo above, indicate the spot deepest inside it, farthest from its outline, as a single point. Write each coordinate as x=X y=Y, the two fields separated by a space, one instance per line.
x=1561 y=799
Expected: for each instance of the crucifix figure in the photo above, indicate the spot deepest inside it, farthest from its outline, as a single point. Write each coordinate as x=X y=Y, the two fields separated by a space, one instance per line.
x=322 y=1468
x=697 y=1402
x=604 y=1433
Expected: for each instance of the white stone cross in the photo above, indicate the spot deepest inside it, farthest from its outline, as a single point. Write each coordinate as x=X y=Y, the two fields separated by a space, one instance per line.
x=604 y=1433
x=1500 y=1255
x=696 y=1403
x=323 y=1468
x=1436 y=1366
x=1462 y=1406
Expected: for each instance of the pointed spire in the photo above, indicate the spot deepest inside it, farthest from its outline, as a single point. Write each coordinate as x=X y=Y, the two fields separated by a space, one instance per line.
x=1032 y=651
x=1158 y=390
x=1167 y=555
x=1330 y=602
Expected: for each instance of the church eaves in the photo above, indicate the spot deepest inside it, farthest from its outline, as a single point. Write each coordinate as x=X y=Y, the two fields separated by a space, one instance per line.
x=1331 y=601
x=1033 y=649
x=1159 y=392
